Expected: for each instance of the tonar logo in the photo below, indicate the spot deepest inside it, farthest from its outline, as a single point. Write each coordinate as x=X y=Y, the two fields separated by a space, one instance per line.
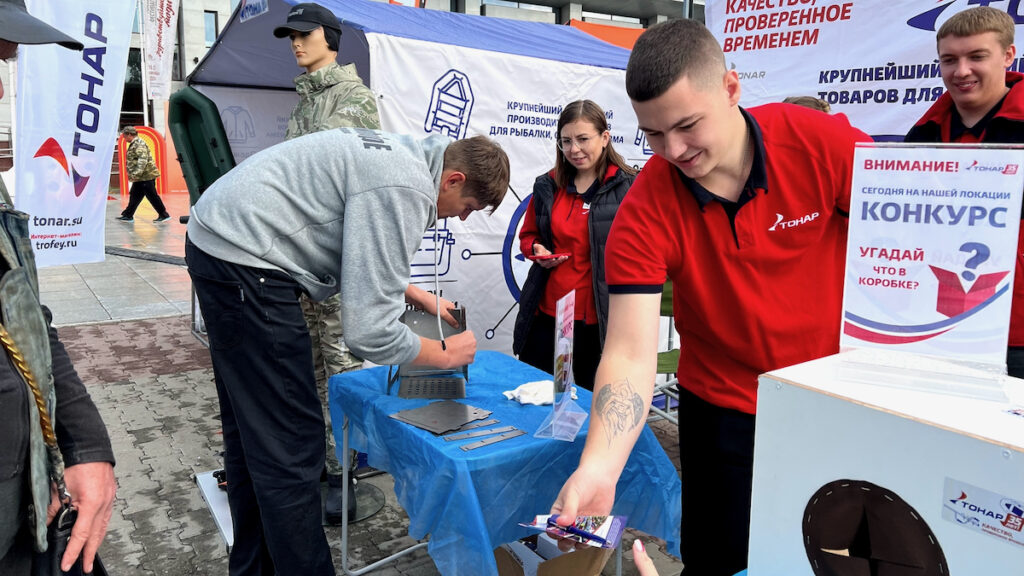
x=1007 y=169
x=782 y=223
x=52 y=149
x=964 y=504
x=927 y=20
x=747 y=74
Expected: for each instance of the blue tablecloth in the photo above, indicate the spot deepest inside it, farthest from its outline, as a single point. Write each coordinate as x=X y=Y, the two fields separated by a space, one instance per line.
x=471 y=502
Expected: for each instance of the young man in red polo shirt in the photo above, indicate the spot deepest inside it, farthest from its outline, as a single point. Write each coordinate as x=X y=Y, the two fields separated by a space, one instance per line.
x=983 y=103
x=746 y=212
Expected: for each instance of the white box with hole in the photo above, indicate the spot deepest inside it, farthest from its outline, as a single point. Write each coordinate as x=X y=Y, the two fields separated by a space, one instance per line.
x=854 y=475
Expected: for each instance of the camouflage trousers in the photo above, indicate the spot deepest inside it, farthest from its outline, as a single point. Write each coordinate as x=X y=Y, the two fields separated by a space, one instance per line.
x=330 y=357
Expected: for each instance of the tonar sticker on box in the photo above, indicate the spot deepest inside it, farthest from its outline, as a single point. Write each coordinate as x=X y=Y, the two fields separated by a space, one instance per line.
x=982 y=511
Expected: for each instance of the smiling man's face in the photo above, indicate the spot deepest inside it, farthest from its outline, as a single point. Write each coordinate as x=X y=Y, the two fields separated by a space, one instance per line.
x=974 y=71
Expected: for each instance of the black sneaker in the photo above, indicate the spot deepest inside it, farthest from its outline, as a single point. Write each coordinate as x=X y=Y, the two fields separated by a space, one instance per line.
x=163 y=218
x=124 y=218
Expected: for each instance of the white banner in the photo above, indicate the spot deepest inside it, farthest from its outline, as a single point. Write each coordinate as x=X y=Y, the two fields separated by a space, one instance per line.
x=874 y=60
x=428 y=87
x=159 y=31
x=932 y=250
x=67 y=107
x=253 y=119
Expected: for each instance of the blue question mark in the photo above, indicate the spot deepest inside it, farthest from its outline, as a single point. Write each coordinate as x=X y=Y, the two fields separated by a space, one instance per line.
x=981 y=254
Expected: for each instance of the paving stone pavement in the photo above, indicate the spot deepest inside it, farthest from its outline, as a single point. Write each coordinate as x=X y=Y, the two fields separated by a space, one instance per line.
x=153 y=384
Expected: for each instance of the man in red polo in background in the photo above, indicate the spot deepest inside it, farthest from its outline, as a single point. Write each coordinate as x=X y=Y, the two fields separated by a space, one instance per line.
x=746 y=212
x=983 y=103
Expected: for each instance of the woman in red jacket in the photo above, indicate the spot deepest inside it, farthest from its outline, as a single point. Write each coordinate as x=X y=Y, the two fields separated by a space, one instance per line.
x=570 y=213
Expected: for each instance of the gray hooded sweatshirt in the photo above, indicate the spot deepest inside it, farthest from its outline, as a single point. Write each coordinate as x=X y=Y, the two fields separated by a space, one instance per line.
x=340 y=210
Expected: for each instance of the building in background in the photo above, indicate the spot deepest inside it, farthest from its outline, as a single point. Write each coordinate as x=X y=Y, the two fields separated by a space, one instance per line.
x=633 y=14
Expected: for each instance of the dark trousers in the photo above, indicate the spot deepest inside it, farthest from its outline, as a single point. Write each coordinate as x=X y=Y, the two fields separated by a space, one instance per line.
x=273 y=426
x=144 y=189
x=716 y=452
x=539 y=349
x=17 y=560
x=1015 y=361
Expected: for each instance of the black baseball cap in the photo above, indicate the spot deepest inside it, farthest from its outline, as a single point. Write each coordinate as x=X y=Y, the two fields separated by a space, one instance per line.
x=307 y=17
x=20 y=27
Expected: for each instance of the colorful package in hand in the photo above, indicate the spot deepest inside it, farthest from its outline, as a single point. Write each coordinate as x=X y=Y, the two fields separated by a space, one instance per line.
x=596 y=531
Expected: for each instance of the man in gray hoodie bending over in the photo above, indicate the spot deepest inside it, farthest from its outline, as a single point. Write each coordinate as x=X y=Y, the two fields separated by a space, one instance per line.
x=340 y=210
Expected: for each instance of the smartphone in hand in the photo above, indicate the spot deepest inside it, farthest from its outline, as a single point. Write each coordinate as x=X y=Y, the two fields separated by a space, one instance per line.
x=536 y=257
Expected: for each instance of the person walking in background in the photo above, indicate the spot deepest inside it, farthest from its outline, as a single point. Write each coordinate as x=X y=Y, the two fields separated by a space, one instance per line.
x=330 y=96
x=142 y=173
x=27 y=498
x=984 y=102
x=570 y=213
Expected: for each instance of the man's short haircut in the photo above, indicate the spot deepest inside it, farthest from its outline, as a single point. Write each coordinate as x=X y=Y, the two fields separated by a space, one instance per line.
x=979 y=20
x=668 y=51
x=486 y=168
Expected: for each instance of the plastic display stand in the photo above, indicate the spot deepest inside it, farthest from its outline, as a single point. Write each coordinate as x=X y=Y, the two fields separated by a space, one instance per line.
x=564 y=421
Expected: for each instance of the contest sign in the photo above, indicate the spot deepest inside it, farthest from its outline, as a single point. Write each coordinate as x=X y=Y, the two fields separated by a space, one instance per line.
x=932 y=249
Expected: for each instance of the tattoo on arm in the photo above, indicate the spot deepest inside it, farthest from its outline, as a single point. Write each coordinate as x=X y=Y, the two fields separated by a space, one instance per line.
x=620 y=407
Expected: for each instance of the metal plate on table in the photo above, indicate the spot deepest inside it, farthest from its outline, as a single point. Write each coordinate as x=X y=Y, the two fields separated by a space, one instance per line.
x=441 y=417
x=492 y=440
x=477 y=433
x=473 y=425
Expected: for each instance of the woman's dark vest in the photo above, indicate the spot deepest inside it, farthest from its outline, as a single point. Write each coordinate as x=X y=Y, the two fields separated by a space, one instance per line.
x=602 y=212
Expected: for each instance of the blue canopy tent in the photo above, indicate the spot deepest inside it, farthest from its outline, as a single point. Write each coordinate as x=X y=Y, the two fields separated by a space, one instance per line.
x=246 y=54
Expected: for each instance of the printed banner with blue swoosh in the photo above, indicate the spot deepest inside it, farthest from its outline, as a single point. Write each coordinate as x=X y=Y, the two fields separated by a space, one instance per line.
x=873 y=60
x=68 y=107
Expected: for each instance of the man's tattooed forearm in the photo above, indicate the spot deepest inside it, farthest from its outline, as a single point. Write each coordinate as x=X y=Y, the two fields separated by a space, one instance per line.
x=620 y=407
